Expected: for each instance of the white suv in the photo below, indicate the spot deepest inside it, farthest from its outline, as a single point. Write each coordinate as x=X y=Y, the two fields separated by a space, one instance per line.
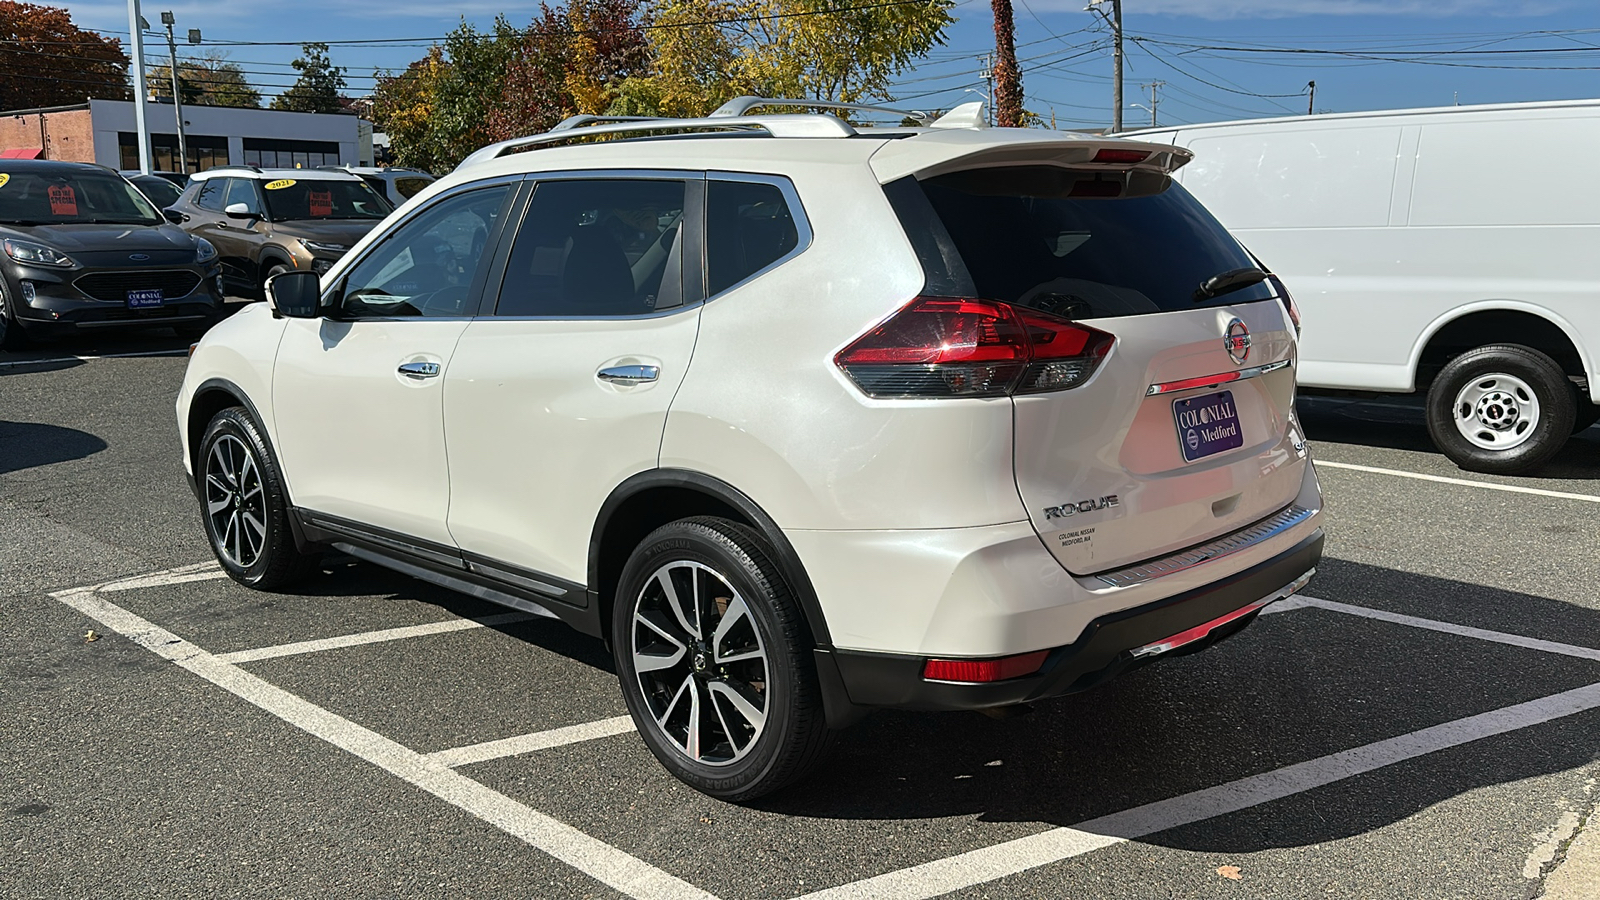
x=801 y=419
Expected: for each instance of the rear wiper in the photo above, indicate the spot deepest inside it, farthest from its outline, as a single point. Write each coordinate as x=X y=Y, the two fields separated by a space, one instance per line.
x=1227 y=282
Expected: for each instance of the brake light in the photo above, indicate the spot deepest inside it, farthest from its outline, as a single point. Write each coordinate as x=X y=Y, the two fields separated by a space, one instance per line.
x=1288 y=301
x=1120 y=155
x=983 y=670
x=959 y=347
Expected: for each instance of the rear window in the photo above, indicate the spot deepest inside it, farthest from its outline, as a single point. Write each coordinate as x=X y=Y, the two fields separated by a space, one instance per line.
x=1027 y=235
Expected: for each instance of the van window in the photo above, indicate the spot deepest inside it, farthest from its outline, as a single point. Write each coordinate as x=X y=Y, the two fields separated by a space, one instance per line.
x=1464 y=173
x=1334 y=178
x=1027 y=235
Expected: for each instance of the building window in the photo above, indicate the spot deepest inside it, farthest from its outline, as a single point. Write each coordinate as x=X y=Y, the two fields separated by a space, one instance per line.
x=205 y=151
x=270 y=153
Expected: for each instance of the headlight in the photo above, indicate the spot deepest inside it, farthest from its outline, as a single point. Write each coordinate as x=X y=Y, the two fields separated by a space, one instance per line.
x=37 y=254
x=320 y=247
x=204 y=250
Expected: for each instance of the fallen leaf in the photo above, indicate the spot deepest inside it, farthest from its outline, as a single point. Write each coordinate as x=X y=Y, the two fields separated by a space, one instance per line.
x=1229 y=872
x=91 y=637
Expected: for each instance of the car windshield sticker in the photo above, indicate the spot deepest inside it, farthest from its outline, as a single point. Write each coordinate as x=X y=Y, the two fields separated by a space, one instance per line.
x=280 y=184
x=4 y=177
x=63 y=201
x=321 y=203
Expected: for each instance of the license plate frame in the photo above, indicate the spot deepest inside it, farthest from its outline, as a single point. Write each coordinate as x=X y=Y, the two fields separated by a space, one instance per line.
x=1207 y=424
x=149 y=298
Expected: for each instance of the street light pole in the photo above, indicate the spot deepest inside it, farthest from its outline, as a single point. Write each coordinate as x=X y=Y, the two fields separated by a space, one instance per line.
x=177 y=99
x=136 y=32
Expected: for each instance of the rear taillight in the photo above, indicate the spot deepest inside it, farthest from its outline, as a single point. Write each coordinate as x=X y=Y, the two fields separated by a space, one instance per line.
x=956 y=347
x=1288 y=301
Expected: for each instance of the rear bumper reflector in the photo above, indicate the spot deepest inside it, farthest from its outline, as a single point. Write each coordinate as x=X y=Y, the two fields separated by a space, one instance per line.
x=1205 y=381
x=978 y=671
x=1203 y=630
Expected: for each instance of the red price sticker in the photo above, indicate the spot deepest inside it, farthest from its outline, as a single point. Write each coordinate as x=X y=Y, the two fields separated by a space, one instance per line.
x=63 y=201
x=321 y=202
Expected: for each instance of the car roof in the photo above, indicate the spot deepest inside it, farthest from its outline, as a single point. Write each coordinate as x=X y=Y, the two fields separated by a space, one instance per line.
x=275 y=174
x=46 y=166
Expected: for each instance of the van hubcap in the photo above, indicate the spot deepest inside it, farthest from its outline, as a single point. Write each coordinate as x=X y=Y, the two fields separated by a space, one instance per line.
x=1497 y=412
x=700 y=663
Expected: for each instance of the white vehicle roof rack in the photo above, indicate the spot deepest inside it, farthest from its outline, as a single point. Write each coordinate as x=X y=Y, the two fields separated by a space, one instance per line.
x=740 y=106
x=806 y=126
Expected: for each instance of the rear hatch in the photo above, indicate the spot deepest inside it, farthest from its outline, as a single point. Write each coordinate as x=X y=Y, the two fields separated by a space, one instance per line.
x=1181 y=431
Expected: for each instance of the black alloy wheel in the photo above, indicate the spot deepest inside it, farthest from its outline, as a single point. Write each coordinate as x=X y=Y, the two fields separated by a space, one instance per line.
x=244 y=505
x=715 y=662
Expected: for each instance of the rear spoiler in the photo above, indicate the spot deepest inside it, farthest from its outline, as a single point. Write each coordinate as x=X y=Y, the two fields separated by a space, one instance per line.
x=931 y=153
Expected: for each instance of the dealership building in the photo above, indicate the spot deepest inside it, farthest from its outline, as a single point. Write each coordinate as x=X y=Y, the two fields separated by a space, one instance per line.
x=104 y=132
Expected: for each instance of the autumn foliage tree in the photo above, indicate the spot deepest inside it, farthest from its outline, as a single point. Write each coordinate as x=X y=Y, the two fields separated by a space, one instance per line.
x=45 y=60
x=210 y=80
x=572 y=62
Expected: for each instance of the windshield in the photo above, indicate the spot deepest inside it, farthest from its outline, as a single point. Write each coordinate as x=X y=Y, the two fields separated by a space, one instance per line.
x=1078 y=244
x=323 y=198
x=69 y=197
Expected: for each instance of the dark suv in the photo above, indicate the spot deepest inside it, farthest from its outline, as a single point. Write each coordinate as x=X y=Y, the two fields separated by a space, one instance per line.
x=266 y=221
x=82 y=249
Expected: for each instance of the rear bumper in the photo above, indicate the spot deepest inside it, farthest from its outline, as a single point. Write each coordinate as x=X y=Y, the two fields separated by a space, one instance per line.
x=1101 y=652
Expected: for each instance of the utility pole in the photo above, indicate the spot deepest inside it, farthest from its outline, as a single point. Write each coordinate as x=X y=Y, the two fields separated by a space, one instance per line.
x=1311 y=102
x=136 y=33
x=986 y=72
x=1155 y=98
x=1115 y=20
x=177 y=95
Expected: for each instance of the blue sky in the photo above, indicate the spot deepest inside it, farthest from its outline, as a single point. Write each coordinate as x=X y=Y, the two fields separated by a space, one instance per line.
x=1065 y=50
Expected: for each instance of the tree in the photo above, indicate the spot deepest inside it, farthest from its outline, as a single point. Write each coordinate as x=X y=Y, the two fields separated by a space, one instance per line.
x=45 y=60
x=402 y=108
x=572 y=61
x=319 y=85
x=208 y=81
x=1007 y=78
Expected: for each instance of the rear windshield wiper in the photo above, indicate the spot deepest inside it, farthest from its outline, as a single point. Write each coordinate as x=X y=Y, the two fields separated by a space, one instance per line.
x=1227 y=282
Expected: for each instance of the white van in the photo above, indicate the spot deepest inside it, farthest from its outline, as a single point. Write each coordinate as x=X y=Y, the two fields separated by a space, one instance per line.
x=1454 y=251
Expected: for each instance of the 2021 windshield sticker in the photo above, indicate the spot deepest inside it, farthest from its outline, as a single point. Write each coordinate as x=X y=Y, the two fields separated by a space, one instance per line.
x=279 y=185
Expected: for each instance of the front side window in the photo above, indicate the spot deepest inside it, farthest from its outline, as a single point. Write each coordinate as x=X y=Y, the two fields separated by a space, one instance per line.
x=290 y=199
x=211 y=193
x=240 y=190
x=749 y=226
x=426 y=267
x=596 y=247
x=72 y=196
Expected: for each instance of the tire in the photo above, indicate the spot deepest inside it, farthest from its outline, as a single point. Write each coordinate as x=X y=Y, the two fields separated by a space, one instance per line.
x=1584 y=413
x=1503 y=409
x=760 y=719
x=238 y=475
x=12 y=337
x=275 y=269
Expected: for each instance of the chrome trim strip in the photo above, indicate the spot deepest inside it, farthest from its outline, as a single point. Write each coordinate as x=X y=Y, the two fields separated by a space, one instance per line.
x=1244 y=539
x=1222 y=378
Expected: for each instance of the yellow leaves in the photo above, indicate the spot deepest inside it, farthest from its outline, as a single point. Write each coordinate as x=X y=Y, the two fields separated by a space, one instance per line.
x=1230 y=872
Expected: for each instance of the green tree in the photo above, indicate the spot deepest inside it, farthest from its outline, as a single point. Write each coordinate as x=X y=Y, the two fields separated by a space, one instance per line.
x=468 y=89
x=319 y=85
x=402 y=108
x=210 y=80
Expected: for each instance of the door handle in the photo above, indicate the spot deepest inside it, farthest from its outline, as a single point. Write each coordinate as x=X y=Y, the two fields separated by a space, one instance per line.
x=420 y=369
x=629 y=374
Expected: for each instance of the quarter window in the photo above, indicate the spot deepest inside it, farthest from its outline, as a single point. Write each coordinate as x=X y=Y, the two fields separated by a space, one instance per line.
x=427 y=266
x=749 y=226
x=596 y=248
x=210 y=196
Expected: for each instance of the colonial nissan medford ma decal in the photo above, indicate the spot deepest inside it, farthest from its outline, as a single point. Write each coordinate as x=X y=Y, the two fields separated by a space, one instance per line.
x=1207 y=424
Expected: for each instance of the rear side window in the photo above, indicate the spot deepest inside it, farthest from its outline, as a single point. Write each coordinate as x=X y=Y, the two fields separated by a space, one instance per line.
x=410 y=187
x=749 y=226
x=1071 y=243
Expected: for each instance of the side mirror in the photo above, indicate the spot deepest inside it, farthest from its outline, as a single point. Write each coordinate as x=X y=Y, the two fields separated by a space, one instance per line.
x=173 y=216
x=239 y=211
x=296 y=295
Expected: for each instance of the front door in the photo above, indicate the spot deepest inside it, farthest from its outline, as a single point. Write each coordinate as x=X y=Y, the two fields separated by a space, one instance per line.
x=562 y=393
x=357 y=395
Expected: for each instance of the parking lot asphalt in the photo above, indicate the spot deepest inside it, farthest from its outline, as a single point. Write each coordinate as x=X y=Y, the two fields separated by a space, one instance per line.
x=1425 y=725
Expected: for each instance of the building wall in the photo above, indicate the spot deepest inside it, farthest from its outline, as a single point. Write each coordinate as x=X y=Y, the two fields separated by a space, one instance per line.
x=112 y=117
x=67 y=134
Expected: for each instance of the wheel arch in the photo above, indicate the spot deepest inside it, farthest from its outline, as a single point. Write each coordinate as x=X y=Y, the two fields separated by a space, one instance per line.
x=272 y=256
x=1498 y=322
x=651 y=499
x=211 y=397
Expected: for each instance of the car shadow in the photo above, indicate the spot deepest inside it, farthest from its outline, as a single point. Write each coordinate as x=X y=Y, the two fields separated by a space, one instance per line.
x=1399 y=422
x=1293 y=687
x=25 y=445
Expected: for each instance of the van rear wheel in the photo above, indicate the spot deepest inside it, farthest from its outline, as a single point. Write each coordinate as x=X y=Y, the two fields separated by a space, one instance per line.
x=1503 y=409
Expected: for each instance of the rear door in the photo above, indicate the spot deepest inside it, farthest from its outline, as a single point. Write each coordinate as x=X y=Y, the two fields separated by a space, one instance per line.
x=1183 y=433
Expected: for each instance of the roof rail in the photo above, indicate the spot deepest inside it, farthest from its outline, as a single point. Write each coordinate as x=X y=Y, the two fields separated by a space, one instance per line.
x=247 y=167
x=810 y=126
x=740 y=106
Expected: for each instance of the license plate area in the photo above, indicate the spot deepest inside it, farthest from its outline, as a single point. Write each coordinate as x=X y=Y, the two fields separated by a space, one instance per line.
x=145 y=299
x=1207 y=425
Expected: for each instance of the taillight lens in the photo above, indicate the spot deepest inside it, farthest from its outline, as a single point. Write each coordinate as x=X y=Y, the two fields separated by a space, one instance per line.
x=1288 y=301
x=958 y=347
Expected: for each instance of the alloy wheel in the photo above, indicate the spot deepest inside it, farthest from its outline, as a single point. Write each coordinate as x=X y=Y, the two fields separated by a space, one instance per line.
x=236 y=505
x=1497 y=411
x=700 y=661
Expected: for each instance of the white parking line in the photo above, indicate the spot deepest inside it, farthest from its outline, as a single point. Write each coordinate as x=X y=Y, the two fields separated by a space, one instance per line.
x=207 y=571
x=595 y=858
x=1486 y=485
x=999 y=860
x=371 y=637
x=1482 y=634
x=528 y=743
